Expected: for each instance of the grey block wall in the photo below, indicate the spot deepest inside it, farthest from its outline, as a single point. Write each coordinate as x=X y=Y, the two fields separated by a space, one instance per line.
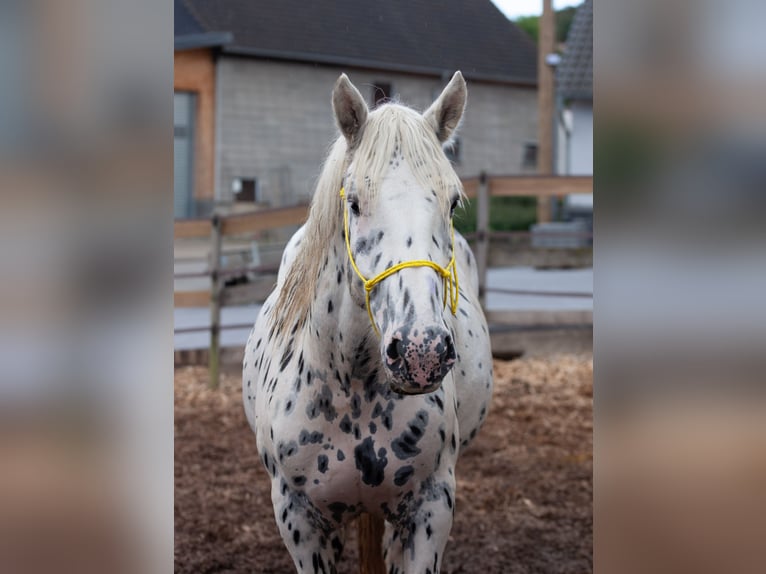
x=276 y=123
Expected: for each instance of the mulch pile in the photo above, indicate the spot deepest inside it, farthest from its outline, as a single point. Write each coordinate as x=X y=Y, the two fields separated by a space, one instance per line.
x=524 y=495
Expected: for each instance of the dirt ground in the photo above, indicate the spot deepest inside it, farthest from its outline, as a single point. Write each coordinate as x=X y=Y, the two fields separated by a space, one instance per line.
x=524 y=493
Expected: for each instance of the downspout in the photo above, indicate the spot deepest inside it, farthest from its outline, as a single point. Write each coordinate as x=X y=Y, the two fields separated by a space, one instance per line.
x=567 y=135
x=562 y=120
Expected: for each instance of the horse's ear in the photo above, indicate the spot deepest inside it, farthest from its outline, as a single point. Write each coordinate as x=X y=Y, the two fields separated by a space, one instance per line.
x=350 y=109
x=445 y=113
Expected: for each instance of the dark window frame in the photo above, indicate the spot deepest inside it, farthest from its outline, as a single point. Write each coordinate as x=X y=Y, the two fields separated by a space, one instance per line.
x=250 y=190
x=187 y=130
x=529 y=155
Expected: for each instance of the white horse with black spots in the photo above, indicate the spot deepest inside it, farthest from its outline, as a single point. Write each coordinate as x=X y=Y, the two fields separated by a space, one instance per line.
x=369 y=366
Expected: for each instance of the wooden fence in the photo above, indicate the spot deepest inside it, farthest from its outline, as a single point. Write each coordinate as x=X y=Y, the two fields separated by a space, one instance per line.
x=218 y=227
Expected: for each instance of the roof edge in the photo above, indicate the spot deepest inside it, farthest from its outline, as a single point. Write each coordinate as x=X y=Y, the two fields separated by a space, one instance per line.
x=202 y=40
x=306 y=57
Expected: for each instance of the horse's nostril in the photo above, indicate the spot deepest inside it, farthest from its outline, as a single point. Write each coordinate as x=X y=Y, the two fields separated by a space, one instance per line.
x=395 y=349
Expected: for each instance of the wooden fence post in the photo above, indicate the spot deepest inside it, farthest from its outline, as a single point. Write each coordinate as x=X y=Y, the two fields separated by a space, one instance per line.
x=215 y=301
x=482 y=235
x=371 y=530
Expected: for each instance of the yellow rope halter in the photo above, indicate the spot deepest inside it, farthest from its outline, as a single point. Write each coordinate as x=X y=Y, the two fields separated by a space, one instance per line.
x=448 y=273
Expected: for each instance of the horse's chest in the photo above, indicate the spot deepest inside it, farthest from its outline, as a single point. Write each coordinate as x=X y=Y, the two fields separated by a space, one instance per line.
x=344 y=450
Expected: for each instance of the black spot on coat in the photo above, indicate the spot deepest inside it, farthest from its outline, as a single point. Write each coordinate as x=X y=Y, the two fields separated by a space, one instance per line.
x=368 y=463
x=337 y=509
x=405 y=445
x=345 y=424
x=403 y=475
x=307 y=437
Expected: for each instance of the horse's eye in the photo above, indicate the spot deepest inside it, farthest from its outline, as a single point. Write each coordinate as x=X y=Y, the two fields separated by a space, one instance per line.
x=453 y=206
x=354 y=206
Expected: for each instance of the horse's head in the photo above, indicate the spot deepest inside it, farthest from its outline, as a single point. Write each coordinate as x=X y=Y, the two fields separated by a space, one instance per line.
x=399 y=195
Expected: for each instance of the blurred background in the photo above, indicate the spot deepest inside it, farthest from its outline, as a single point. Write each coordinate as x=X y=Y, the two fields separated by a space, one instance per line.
x=86 y=428
x=680 y=142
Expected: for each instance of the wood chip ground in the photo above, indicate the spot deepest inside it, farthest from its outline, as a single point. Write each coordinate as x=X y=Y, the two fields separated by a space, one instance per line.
x=524 y=498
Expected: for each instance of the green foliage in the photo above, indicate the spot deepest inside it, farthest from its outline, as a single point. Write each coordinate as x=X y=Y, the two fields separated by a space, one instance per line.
x=531 y=25
x=505 y=214
x=564 y=17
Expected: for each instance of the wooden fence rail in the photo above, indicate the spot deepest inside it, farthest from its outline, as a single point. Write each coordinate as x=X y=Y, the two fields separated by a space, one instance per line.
x=219 y=226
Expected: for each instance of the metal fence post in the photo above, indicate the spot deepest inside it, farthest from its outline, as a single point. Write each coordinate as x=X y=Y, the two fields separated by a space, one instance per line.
x=482 y=235
x=215 y=301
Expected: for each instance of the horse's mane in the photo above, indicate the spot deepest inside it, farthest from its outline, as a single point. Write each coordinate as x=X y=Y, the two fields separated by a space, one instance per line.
x=390 y=130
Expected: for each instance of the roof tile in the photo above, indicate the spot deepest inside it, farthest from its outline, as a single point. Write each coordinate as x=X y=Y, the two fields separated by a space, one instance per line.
x=417 y=35
x=575 y=73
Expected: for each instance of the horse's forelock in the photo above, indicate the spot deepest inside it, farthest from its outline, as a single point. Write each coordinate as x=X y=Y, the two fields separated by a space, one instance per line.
x=396 y=129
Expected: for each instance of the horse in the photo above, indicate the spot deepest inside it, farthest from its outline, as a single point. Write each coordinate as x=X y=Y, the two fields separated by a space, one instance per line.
x=369 y=366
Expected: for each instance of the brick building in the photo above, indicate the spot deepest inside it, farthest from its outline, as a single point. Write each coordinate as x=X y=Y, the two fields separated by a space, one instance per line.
x=253 y=82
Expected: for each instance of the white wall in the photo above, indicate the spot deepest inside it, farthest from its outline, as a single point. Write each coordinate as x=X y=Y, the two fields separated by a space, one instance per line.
x=575 y=147
x=276 y=122
x=581 y=143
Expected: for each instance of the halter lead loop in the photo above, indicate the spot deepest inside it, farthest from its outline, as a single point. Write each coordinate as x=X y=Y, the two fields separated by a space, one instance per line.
x=448 y=273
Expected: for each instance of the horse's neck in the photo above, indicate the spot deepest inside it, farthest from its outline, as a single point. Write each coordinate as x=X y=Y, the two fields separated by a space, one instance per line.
x=339 y=326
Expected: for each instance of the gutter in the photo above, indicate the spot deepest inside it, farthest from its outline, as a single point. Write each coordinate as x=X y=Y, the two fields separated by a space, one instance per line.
x=202 y=40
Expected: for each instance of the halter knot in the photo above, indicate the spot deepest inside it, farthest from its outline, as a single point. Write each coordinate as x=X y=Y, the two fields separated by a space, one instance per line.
x=448 y=273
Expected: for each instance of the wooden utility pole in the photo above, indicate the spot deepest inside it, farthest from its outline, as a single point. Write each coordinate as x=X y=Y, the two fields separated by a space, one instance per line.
x=545 y=103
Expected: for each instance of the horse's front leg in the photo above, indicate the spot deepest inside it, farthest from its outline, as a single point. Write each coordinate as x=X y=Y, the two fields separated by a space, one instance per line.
x=314 y=544
x=414 y=544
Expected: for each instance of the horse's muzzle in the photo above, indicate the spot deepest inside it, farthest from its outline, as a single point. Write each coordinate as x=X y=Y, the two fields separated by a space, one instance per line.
x=419 y=359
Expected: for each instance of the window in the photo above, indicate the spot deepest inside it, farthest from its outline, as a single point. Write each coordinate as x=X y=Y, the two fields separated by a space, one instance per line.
x=246 y=190
x=530 y=155
x=381 y=93
x=453 y=150
x=184 y=106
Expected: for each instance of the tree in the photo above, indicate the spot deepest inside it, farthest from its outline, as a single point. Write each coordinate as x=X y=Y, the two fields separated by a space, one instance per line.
x=531 y=25
x=564 y=17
